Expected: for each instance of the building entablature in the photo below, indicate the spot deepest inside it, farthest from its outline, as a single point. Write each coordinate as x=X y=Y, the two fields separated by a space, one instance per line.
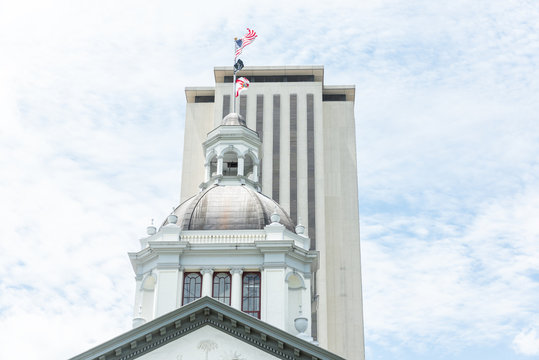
x=233 y=134
x=172 y=234
x=218 y=179
x=257 y=254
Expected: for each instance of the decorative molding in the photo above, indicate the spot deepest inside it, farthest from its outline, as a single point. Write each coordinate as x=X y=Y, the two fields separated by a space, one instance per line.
x=167 y=266
x=206 y=270
x=223 y=238
x=274 y=265
x=294 y=272
x=236 y=270
x=206 y=311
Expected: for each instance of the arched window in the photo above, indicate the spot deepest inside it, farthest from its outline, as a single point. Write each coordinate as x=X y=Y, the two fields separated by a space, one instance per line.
x=221 y=287
x=192 y=287
x=251 y=294
x=230 y=164
x=296 y=288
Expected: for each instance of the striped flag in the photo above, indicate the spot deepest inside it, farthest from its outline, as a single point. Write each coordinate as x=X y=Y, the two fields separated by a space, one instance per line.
x=244 y=41
x=241 y=84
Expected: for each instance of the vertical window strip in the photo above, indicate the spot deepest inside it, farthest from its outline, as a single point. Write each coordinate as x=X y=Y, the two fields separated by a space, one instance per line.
x=310 y=170
x=243 y=107
x=311 y=196
x=226 y=105
x=260 y=126
x=276 y=145
x=293 y=157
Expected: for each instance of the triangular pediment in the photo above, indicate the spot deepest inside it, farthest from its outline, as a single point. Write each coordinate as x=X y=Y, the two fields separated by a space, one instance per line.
x=181 y=335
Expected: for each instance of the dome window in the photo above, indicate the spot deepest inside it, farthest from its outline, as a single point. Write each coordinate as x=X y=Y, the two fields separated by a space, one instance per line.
x=250 y=303
x=192 y=287
x=221 y=287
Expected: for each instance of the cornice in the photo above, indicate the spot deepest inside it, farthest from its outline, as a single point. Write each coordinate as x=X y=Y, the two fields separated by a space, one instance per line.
x=266 y=246
x=206 y=311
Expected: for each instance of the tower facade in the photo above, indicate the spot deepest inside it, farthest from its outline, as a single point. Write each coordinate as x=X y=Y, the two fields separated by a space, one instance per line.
x=307 y=163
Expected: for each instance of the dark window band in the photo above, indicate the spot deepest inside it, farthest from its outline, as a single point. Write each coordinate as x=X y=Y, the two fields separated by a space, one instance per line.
x=260 y=126
x=226 y=105
x=276 y=145
x=310 y=170
x=204 y=99
x=243 y=107
x=334 y=97
x=294 y=157
x=274 y=78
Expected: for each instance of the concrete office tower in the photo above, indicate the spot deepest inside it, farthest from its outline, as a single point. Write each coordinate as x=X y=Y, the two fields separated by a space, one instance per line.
x=308 y=165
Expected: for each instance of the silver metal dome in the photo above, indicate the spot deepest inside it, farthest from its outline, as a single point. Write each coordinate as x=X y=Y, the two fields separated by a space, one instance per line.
x=233 y=119
x=229 y=208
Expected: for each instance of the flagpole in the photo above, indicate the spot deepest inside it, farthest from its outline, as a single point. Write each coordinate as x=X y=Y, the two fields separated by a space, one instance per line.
x=234 y=77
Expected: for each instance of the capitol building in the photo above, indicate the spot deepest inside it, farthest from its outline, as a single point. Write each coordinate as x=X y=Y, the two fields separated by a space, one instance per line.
x=261 y=258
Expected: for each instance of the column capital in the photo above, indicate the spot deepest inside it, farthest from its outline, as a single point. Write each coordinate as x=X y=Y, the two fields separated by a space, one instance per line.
x=206 y=270
x=236 y=270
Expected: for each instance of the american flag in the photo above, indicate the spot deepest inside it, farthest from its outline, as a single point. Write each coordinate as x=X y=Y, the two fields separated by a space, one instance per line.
x=244 y=41
x=241 y=84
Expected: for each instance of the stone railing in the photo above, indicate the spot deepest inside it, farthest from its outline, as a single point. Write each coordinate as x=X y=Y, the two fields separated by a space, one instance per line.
x=196 y=237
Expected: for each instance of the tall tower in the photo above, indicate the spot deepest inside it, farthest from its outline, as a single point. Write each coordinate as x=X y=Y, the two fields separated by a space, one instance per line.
x=308 y=165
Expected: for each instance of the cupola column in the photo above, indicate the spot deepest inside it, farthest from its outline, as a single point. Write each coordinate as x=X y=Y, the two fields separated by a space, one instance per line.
x=206 y=281
x=241 y=165
x=255 y=172
x=235 y=293
x=207 y=166
x=220 y=165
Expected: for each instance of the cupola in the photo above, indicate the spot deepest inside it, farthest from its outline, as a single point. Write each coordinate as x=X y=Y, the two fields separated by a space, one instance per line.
x=232 y=153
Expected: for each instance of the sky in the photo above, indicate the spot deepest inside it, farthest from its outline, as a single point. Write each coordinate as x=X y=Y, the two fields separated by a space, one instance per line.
x=92 y=108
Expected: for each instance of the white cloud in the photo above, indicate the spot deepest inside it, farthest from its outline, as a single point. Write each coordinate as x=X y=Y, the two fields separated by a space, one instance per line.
x=92 y=103
x=527 y=342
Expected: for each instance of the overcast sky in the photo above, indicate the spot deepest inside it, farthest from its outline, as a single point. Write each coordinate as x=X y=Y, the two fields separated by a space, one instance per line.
x=92 y=108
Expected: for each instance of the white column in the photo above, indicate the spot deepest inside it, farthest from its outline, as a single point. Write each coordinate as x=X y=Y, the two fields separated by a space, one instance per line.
x=138 y=296
x=166 y=291
x=241 y=165
x=235 y=296
x=137 y=312
x=255 y=172
x=179 y=296
x=219 y=165
x=206 y=281
x=273 y=309
x=207 y=166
